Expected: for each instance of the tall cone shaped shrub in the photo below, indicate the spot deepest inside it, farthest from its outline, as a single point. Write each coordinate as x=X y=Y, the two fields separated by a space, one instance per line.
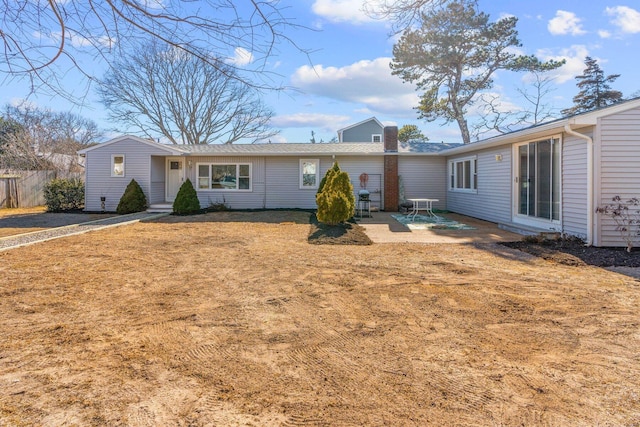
x=133 y=199
x=186 y=202
x=334 y=169
x=335 y=199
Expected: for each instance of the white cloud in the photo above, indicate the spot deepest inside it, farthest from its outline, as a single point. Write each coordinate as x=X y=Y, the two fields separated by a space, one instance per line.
x=154 y=4
x=364 y=82
x=76 y=40
x=604 y=34
x=506 y=15
x=626 y=18
x=565 y=23
x=22 y=103
x=574 y=57
x=341 y=11
x=241 y=57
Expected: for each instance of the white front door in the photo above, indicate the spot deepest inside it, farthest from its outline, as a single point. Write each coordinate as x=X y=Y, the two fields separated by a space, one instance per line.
x=175 y=177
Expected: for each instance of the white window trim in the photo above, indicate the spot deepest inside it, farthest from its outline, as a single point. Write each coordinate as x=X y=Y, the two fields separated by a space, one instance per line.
x=222 y=190
x=113 y=166
x=301 y=174
x=452 y=170
x=373 y=137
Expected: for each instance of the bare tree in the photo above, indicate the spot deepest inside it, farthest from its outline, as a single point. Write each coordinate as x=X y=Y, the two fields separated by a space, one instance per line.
x=44 y=40
x=36 y=139
x=162 y=91
x=495 y=118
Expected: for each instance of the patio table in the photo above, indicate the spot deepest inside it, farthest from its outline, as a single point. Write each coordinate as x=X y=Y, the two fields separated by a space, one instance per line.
x=425 y=205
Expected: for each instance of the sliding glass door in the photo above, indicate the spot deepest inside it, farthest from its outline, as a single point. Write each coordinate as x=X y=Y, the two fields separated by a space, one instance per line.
x=538 y=181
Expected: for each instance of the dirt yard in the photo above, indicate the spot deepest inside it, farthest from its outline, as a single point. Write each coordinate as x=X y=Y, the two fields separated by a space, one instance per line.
x=234 y=319
x=26 y=220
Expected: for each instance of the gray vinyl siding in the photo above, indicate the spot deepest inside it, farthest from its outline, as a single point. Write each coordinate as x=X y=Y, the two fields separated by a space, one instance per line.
x=574 y=185
x=158 y=172
x=283 y=178
x=362 y=133
x=253 y=199
x=618 y=151
x=424 y=177
x=99 y=181
x=492 y=201
x=373 y=166
x=282 y=188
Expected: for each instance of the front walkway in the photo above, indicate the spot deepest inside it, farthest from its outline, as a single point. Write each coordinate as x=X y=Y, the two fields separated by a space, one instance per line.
x=16 y=241
x=383 y=228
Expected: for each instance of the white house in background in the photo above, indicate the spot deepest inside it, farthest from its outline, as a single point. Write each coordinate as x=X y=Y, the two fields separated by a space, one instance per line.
x=369 y=130
x=550 y=177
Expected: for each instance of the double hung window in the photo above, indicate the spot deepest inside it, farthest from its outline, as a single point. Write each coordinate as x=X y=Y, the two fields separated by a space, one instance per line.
x=463 y=174
x=309 y=173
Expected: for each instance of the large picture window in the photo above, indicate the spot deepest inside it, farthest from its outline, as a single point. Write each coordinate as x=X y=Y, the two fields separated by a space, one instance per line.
x=117 y=165
x=463 y=174
x=309 y=173
x=215 y=176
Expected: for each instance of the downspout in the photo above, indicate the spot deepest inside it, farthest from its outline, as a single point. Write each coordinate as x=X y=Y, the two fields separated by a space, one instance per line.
x=590 y=209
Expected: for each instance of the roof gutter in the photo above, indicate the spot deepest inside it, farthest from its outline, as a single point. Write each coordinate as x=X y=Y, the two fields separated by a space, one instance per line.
x=590 y=209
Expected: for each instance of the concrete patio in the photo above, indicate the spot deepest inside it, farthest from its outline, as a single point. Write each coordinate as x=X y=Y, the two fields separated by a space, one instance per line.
x=381 y=227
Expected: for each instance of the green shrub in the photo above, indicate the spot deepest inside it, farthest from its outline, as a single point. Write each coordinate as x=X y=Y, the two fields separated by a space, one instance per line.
x=186 y=202
x=334 y=169
x=336 y=202
x=64 y=194
x=133 y=199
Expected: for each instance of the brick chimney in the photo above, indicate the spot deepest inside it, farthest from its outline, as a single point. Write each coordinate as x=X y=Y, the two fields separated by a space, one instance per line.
x=391 y=139
x=391 y=186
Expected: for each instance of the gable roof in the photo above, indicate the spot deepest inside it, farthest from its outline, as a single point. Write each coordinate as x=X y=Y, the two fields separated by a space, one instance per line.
x=361 y=123
x=170 y=149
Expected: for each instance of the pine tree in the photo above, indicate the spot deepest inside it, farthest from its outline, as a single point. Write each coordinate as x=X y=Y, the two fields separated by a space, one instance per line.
x=409 y=133
x=186 y=202
x=595 y=91
x=453 y=56
x=336 y=201
x=133 y=199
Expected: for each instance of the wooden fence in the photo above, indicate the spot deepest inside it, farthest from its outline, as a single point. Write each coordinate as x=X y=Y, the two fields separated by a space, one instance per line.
x=25 y=189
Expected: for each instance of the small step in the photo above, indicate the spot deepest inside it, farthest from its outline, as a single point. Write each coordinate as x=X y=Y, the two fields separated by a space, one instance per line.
x=527 y=230
x=160 y=208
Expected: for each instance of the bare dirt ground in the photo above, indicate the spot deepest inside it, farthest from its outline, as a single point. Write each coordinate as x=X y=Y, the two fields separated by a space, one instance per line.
x=235 y=319
x=26 y=220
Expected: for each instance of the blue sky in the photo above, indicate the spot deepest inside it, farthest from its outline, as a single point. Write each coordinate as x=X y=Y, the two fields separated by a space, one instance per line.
x=347 y=78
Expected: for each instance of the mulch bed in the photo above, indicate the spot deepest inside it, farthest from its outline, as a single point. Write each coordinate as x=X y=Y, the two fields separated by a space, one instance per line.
x=348 y=233
x=574 y=252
